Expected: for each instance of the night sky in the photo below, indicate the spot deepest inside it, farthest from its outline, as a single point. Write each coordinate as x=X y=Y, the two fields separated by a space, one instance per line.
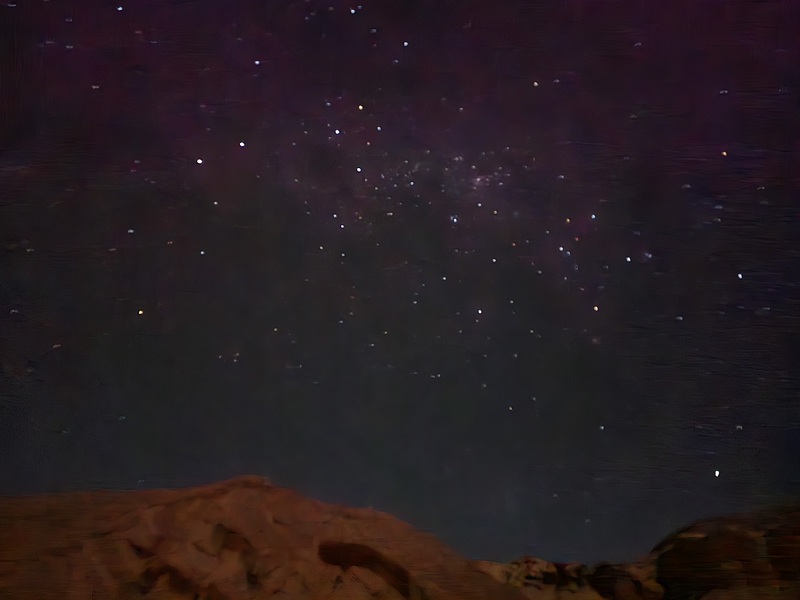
x=524 y=274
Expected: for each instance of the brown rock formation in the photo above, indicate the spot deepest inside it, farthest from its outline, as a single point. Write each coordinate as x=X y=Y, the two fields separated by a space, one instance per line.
x=247 y=539
x=235 y=540
x=542 y=580
x=740 y=557
x=752 y=556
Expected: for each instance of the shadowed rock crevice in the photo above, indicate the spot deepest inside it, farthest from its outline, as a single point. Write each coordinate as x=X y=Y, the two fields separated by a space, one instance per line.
x=358 y=555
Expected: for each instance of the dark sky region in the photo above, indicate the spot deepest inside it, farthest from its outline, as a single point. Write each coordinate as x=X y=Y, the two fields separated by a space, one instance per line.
x=524 y=274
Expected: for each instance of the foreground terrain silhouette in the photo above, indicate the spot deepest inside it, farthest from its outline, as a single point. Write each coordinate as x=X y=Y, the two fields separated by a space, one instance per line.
x=245 y=538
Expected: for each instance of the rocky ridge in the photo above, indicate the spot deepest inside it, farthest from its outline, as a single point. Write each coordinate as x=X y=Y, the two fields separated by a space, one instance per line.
x=246 y=539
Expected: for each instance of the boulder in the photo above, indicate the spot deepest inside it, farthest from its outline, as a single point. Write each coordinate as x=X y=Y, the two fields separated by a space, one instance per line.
x=742 y=556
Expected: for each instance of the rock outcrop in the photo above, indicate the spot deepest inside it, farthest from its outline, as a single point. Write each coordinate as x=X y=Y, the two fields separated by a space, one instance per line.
x=543 y=580
x=742 y=556
x=245 y=539
x=738 y=557
x=238 y=539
